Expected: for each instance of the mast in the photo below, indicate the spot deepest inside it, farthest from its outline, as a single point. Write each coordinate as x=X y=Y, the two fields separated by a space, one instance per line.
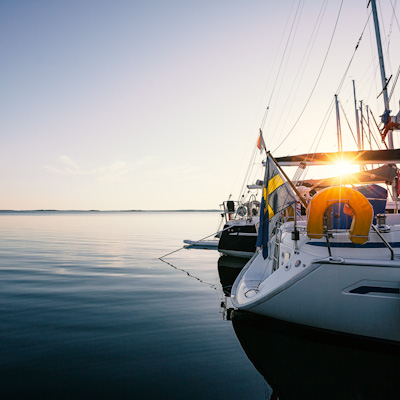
x=362 y=125
x=386 y=115
x=357 y=121
x=338 y=127
x=369 y=128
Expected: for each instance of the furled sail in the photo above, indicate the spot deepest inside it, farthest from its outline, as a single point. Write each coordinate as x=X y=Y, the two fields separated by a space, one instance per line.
x=391 y=156
x=384 y=174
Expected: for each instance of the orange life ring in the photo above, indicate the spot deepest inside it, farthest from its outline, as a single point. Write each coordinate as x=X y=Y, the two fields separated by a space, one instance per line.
x=362 y=209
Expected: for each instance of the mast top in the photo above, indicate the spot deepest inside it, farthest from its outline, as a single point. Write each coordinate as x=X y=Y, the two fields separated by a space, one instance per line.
x=386 y=114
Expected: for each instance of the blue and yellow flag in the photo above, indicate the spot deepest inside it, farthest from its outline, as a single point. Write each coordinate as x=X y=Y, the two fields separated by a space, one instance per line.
x=277 y=195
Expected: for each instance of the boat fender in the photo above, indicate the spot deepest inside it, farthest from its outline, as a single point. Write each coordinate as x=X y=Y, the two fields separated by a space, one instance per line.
x=360 y=206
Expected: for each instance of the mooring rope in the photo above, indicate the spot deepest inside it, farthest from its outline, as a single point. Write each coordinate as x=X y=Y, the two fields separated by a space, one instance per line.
x=197 y=241
x=211 y=285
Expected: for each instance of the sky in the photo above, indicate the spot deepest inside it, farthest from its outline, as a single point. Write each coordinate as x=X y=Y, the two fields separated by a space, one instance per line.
x=121 y=105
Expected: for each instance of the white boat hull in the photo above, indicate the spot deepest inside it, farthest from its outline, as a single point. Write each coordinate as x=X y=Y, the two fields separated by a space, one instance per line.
x=310 y=301
x=348 y=295
x=202 y=244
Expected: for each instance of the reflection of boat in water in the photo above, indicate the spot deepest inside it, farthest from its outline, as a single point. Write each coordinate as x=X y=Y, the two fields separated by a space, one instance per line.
x=231 y=263
x=304 y=363
x=228 y=270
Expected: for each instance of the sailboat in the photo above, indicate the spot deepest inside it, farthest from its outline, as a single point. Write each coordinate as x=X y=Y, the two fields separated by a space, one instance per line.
x=239 y=234
x=337 y=269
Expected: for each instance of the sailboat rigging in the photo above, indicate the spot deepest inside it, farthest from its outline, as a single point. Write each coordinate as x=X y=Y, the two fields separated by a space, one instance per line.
x=337 y=268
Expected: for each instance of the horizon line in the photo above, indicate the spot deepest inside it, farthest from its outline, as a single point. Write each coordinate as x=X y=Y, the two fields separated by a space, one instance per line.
x=132 y=210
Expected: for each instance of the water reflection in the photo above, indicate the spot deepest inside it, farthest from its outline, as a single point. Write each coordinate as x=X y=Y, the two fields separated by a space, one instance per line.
x=304 y=363
x=228 y=269
x=300 y=363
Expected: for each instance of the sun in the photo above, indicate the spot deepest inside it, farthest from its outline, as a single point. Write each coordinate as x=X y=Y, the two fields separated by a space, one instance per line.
x=343 y=167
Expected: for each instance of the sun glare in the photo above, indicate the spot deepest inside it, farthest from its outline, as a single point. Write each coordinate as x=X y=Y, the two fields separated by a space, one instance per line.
x=343 y=167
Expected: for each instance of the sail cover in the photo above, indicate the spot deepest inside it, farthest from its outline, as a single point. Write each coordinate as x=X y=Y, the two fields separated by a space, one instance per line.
x=384 y=174
x=391 y=156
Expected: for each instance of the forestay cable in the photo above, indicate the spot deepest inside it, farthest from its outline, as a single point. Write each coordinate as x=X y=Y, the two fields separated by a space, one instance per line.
x=316 y=82
x=280 y=65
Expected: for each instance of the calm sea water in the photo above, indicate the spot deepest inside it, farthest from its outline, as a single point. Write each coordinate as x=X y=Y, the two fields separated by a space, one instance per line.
x=87 y=310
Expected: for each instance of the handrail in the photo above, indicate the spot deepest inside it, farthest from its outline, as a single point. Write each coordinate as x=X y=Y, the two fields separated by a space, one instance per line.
x=384 y=241
x=276 y=249
x=328 y=244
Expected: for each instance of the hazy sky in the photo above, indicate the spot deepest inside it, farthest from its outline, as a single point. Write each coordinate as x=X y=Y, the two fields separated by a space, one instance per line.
x=157 y=104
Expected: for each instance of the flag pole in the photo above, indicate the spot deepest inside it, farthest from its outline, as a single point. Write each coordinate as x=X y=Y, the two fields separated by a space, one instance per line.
x=288 y=180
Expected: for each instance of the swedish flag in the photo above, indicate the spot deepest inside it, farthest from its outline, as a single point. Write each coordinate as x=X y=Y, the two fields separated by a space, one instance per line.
x=277 y=195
